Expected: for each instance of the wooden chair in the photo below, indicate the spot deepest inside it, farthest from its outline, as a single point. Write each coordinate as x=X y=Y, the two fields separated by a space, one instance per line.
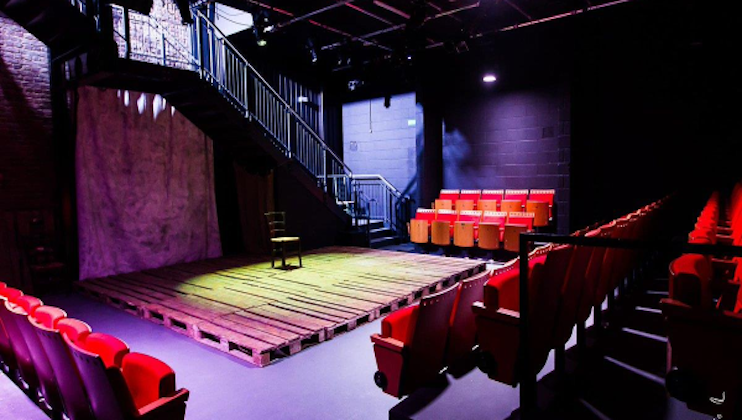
x=277 y=226
x=540 y=210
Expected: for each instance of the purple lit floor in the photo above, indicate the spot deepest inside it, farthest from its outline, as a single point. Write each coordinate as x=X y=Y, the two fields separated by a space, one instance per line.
x=334 y=381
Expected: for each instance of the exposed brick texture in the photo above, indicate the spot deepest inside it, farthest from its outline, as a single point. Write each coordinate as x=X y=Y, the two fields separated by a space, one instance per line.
x=27 y=180
x=26 y=155
x=511 y=140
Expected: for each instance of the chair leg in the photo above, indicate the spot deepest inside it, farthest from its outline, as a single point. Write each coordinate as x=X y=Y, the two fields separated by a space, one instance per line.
x=273 y=256
x=283 y=255
x=300 y=264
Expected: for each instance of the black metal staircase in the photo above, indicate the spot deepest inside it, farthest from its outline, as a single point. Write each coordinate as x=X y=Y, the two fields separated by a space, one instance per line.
x=216 y=88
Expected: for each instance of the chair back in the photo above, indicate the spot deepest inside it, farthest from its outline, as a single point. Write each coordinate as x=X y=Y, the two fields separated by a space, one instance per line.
x=463 y=330
x=511 y=206
x=495 y=195
x=520 y=195
x=540 y=210
x=487 y=205
x=443 y=204
x=71 y=388
x=276 y=223
x=47 y=382
x=428 y=343
x=106 y=388
x=452 y=195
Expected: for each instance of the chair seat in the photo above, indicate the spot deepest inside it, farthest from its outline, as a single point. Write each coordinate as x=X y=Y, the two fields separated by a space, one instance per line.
x=282 y=239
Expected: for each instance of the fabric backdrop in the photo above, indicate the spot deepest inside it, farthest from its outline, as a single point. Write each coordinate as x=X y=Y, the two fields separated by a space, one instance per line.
x=145 y=185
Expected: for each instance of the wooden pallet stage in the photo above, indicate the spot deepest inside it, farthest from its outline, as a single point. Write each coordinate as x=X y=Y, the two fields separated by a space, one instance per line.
x=242 y=306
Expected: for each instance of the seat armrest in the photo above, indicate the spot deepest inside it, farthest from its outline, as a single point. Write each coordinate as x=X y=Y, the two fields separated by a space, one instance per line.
x=388 y=343
x=503 y=315
x=166 y=408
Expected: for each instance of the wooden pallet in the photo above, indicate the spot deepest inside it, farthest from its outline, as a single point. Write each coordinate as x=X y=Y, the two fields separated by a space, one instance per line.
x=241 y=306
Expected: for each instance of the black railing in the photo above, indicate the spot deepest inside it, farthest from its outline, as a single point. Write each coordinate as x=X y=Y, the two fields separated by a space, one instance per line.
x=527 y=375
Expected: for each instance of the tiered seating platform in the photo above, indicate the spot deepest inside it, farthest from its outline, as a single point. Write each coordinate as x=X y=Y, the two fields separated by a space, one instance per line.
x=242 y=306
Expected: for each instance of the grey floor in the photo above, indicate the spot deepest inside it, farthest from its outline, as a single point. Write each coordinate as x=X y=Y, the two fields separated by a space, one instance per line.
x=333 y=380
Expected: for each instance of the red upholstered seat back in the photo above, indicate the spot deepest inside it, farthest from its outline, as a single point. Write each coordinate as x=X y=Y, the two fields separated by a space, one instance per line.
x=473 y=216
x=105 y=386
x=574 y=284
x=592 y=276
x=67 y=377
x=463 y=330
x=425 y=214
x=497 y=217
x=495 y=195
x=690 y=277
x=109 y=348
x=49 y=316
x=14 y=317
x=542 y=195
x=10 y=294
x=400 y=324
x=470 y=195
x=502 y=290
x=521 y=195
x=147 y=378
x=452 y=195
x=449 y=216
x=544 y=301
x=520 y=218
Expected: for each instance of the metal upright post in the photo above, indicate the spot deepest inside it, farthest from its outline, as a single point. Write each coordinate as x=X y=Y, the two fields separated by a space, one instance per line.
x=164 y=51
x=527 y=377
x=127 y=33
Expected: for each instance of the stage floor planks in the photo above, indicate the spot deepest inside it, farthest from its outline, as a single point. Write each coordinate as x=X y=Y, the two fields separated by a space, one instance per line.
x=242 y=306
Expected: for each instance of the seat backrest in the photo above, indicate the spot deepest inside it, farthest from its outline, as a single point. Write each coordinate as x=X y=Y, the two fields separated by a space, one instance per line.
x=111 y=349
x=540 y=210
x=574 y=284
x=276 y=223
x=14 y=318
x=7 y=295
x=441 y=204
x=44 y=315
x=71 y=389
x=470 y=195
x=521 y=195
x=498 y=217
x=487 y=205
x=542 y=195
x=431 y=333
x=511 y=206
x=470 y=216
x=449 y=216
x=545 y=300
x=463 y=330
x=690 y=278
x=452 y=195
x=463 y=205
x=106 y=388
x=495 y=195
x=10 y=294
x=521 y=218
x=425 y=214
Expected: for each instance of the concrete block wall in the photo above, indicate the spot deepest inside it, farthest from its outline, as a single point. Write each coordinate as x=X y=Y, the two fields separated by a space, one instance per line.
x=385 y=141
x=511 y=140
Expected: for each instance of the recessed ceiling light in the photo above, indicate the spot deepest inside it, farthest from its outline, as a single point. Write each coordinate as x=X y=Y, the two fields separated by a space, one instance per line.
x=489 y=78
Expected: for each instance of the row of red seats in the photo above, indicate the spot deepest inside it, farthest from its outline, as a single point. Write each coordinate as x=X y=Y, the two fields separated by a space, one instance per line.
x=489 y=230
x=82 y=375
x=493 y=200
x=704 y=315
x=565 y=283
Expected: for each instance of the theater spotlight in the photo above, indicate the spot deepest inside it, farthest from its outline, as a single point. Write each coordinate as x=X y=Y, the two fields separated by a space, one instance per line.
x=489 y=78
x=311 y=50
x=261 y=26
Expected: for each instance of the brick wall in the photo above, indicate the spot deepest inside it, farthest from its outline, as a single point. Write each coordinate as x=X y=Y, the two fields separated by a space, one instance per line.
x=516 y=140
x=27 y=178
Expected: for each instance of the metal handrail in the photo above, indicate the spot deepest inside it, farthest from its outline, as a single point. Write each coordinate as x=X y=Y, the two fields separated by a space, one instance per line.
x=200 y=16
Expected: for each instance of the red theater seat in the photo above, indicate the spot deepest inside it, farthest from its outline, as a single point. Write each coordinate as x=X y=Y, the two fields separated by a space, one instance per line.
x=497 y=317
x=463 y=330
x=544 y=195
x=141 y=388
x=466 y=229
x=592 y=277
x=48 y=316
x=14 y=315
x=72 y=391
x=470 y=195
x=442 y=227
x=451 y=195
x=109 y=348
x=520 y=195
x=706 y=343
x=7 y=357
x=410 y=350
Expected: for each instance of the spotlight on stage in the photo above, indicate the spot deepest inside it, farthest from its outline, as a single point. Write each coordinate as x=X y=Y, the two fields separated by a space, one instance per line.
x=489 y=78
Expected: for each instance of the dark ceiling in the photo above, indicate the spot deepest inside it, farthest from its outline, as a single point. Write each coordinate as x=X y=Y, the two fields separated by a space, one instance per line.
x=391 y=30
